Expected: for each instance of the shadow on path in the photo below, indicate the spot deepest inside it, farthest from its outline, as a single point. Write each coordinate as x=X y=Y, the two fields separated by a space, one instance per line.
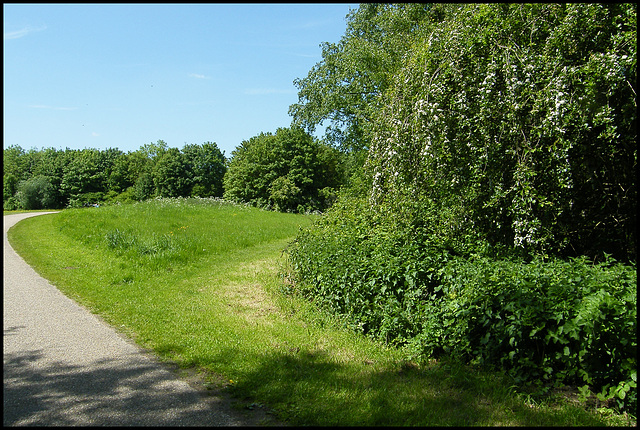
x=132 y=393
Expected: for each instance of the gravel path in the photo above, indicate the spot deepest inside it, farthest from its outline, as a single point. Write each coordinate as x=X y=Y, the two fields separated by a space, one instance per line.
x=64 y=366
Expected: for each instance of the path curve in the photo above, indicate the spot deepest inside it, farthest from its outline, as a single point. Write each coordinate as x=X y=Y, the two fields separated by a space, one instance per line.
x=64 y=366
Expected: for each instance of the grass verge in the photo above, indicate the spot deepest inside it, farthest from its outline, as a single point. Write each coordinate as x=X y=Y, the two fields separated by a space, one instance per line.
x=196 y=281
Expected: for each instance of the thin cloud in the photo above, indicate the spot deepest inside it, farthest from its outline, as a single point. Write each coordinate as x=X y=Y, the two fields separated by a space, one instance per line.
x=265 y=91
x=52 y=107
x=94 y=134
x=198 y=76
x=23 y=32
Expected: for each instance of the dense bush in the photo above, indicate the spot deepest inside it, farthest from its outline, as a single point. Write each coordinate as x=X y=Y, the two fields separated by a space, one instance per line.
x=36 y=193
x=499 y=187
x=523 y=116
x=289 y=171
x=554 y=321
x=569 y=322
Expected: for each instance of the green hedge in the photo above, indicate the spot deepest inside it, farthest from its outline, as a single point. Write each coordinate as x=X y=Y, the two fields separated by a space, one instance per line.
x=549 y=320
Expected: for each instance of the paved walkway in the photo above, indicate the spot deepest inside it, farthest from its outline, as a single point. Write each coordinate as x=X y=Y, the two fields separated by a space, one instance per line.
x=65 y=367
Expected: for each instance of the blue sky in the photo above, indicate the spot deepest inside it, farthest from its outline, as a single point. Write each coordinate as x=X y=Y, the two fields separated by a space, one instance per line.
x=123 y=75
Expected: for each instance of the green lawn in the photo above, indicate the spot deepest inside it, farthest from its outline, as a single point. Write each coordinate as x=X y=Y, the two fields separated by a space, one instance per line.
x=197 y=281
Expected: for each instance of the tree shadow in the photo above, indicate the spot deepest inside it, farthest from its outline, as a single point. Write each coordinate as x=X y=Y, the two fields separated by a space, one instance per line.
x=402 y=394
x=110 y=392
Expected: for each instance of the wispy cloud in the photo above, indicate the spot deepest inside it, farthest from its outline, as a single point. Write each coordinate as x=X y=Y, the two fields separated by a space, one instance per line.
x=198 y=76
x=264 y=91
x=22 y=32
x=94 y=134
x=52 y=107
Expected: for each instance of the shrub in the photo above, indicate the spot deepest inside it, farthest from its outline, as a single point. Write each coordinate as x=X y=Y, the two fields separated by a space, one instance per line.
x=36 y=193
x=86 y=199
x=564 y=322
x=143 y=187
x=11 y=204
x=554 y=321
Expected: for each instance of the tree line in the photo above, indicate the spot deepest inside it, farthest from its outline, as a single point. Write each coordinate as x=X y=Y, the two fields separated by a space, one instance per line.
x=288 y=171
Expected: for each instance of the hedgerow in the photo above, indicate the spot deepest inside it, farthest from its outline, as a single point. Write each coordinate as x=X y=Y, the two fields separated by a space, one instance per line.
x=547 y=321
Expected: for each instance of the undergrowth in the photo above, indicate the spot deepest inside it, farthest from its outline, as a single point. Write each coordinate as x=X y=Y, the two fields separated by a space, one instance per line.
x=547 y=322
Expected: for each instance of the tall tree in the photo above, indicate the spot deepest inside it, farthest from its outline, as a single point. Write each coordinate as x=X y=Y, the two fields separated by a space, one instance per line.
x=171 y=175
x=52 y=166
x=342 y=89
x=522 y=117
x=208 y=165
x=84 y=174
x=286 y=170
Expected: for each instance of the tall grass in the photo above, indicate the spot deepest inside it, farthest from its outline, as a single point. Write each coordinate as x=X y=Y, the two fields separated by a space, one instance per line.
x=196 y=280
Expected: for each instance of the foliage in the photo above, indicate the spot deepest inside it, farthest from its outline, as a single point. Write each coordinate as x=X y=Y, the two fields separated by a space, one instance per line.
x=86 y=199
x=120 y=177
x=523 y=116
x=80 y=177
x=35 y=193
x=207 y=165
x=289 y=171
x=343 y=88
x=52 y=164
x=143 y=187
x=563 y=322
x=9 y=186
x=11 y=204
x=87 y=172
x=499 y=189
x=170 y=174
x=20 y=165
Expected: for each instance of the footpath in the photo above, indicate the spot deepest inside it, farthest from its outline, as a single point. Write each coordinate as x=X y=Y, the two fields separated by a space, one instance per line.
x=63 y=366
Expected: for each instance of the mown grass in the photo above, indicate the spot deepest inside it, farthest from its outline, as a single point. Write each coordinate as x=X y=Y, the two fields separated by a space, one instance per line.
x=197 y=282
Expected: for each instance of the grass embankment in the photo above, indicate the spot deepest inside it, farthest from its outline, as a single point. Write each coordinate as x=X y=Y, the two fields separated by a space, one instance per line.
x=196 y=281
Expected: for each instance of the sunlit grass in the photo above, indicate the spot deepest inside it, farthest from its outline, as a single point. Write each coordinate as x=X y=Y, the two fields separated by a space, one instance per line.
x=197 y=282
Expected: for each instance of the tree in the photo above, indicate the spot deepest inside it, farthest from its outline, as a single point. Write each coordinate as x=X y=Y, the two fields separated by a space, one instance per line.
x=520 y=120
x=13 y=162
x=36 y=193
x=343 y=88
x=84 y=174
x=171 y=176
x=52 y=165
x=154 y=150
x=144 y=187
x=120 y=178
x=285 y=170
x=208 y=165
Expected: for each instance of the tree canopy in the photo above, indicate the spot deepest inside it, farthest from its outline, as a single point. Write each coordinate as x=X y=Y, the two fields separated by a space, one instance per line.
x=343 y=88
x=51 y=178
x=288 y=170
x=522 y=118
